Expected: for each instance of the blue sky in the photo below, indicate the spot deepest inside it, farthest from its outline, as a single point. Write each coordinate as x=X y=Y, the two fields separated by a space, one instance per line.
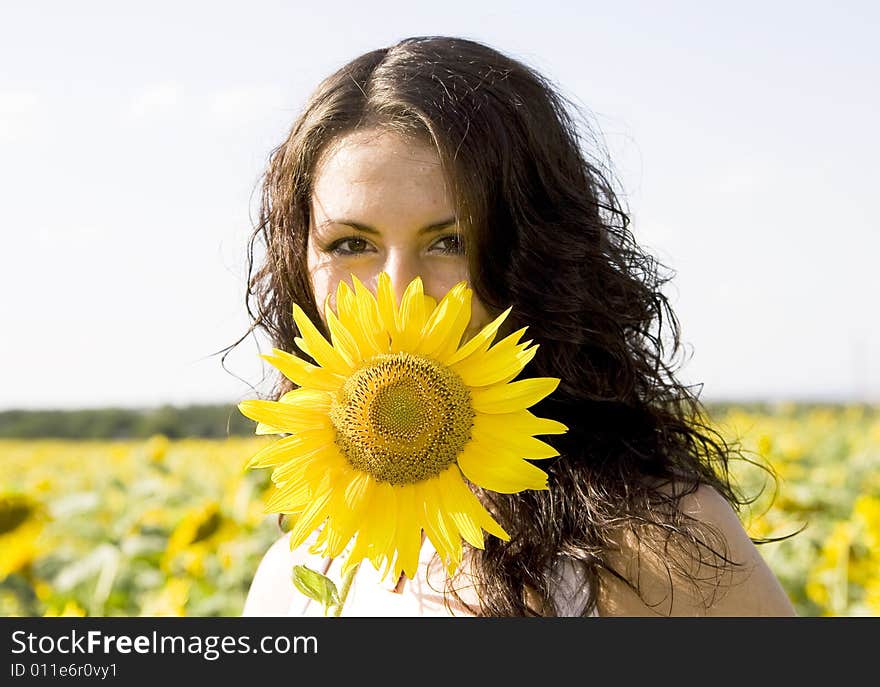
x=133 y=135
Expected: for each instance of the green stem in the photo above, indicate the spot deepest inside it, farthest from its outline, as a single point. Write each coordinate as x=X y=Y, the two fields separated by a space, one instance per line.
x=347 y=579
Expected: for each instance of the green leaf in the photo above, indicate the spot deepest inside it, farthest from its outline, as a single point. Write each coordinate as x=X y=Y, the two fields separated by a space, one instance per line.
x=315 y=586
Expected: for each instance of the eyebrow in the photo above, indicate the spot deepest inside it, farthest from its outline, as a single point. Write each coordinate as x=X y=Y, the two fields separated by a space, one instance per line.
x=367 y=229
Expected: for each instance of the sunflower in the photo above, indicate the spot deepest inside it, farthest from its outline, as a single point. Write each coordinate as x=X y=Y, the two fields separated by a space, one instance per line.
x=388 y=431
x=199 y=534
x=21 y=521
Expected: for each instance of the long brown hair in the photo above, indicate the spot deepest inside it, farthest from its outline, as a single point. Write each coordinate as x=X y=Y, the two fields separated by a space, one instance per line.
x=548 y=236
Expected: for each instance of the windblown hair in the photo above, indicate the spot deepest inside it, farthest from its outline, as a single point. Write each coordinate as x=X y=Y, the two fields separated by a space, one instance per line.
x=547 y=235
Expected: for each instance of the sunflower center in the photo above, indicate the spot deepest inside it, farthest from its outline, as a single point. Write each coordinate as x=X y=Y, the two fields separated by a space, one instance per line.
x=398 y=409
x=402 y=418
x=12 y=514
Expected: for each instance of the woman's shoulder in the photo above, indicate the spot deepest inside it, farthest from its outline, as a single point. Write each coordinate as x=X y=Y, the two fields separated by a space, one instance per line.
x=272 y=592
x=723 y=574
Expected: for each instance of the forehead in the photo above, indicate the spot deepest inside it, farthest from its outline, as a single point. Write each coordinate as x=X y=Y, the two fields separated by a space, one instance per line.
x=367 y=169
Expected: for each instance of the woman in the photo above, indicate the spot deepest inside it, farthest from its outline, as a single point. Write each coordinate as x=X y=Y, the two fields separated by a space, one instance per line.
x=442 y=158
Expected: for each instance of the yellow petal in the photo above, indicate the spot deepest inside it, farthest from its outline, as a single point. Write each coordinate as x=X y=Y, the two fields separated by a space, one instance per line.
x=295 y=467
x=471 y=503
x=311 y=517
x=283 y=449
x=430 y=304
x=490 y=432
x=368 y=311
x=523 y=421
x=412 y=303
x=376 y=539
x=285 y=416
x=347 y=510
x=506 y=476
x=306 y=478
x=343 y=341
x=344 y=299
x=408 y=537
x=308 y=400
x=505 y=358
x=317 y=346
x=456 y=329
x=446 y=541
x=289 y=498
x=523 y=358
x=515 y=396
x=457 y=508
x=353 y=317
x=387 y=305
x=303 y=373
x=444 y=322
x=480 y=340
x=263 y=428
x=347 y=313
x=411 y=317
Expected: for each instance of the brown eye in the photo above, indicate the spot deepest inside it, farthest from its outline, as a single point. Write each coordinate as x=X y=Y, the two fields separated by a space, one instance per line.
x=356 y=246
x=453 y=244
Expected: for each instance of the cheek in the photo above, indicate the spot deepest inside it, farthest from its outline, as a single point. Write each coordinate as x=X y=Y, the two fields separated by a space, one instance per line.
x=480 y=317
x=324 y=279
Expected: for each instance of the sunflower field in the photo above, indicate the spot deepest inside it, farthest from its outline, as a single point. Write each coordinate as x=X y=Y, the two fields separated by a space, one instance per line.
x=128 y=528
x=159 y=527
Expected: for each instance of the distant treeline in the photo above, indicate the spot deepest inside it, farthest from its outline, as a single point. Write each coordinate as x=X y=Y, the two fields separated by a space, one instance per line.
x=175 y=422
x=212 y=421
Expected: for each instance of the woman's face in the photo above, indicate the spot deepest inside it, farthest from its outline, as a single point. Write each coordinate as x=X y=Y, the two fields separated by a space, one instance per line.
x=380 y=203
